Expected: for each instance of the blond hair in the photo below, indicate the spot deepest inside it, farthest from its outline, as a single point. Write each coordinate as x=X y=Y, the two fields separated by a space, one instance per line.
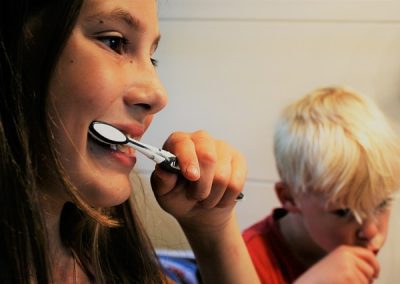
x=335 y=142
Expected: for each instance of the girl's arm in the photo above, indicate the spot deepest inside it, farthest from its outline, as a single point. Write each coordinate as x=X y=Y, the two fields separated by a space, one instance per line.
x=202 y=199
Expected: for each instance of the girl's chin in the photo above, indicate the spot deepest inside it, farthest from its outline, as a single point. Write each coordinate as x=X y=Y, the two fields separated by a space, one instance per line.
x=101 y=195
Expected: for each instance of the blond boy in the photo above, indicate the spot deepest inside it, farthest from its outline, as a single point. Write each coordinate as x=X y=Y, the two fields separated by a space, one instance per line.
x=338 y=161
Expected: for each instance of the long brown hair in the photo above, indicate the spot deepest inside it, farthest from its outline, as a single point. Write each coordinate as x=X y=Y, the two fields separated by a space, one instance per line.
x=110 y=243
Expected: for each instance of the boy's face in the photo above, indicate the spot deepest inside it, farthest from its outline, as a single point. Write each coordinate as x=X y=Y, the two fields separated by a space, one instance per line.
x=334 y=226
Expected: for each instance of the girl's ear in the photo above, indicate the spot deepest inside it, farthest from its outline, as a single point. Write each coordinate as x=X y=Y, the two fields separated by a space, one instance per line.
x=285 y=196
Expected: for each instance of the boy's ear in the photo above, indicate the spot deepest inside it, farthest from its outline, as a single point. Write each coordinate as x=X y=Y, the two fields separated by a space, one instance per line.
x=285 y=196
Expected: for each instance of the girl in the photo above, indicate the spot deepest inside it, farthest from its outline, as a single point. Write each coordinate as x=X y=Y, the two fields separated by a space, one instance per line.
x=64 y=215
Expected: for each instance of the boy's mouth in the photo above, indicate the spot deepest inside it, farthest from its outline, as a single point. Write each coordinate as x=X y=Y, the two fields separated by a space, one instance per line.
x=375 y=244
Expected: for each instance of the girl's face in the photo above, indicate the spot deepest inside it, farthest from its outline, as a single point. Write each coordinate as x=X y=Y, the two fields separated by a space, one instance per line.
x=106 y=72
x=334 y=226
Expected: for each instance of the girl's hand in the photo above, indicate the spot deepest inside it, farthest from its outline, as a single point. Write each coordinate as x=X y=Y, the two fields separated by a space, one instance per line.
x=212 y=176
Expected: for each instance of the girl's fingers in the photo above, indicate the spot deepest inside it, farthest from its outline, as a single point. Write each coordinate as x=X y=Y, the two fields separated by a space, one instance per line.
x=162 y=181
x=218 y=178
x=207 y=156
x=237 y=180
x=221 y=177
x=182 y=145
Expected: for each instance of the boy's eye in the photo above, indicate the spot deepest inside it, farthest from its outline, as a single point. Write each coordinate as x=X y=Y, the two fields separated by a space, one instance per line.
x=115 y=43
x=342 y=212
x=385 y=204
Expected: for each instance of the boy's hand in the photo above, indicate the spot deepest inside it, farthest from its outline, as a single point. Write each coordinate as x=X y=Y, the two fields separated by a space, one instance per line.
x=345 y=264
x=212 y=175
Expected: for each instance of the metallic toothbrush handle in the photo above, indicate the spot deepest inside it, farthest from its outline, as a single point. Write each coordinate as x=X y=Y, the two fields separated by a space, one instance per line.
x=240 y=196
x=171 y=165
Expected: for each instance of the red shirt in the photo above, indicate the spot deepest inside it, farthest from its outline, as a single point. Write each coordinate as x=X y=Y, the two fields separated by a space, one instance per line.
x=274 y=262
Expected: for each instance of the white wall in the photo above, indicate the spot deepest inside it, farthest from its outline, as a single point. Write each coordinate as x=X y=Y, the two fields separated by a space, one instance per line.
x=230 y=67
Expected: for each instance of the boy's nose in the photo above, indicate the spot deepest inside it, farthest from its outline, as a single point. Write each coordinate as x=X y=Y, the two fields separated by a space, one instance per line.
x=368 y=230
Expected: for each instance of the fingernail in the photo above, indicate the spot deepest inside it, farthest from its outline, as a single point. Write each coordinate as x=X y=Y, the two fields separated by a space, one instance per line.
x=193 y=171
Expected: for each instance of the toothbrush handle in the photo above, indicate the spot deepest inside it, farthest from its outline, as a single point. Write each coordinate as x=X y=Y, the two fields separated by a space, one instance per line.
x=171 y=165
x=240 y=196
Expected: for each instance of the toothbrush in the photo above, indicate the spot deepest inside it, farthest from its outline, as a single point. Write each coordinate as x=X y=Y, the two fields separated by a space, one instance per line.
x=109 y=134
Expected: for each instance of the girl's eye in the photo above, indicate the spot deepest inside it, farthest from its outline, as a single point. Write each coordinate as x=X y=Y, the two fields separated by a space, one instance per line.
x=342 y=213
x=154 y=62
x=116 y=43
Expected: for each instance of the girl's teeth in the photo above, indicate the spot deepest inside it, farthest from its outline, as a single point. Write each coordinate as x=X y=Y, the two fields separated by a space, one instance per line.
x=124 y=149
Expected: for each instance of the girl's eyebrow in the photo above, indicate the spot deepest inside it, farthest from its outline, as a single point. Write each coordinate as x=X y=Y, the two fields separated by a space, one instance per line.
x=117 y=15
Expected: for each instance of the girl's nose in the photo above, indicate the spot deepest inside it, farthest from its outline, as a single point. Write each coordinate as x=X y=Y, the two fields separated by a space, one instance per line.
x=146 y=93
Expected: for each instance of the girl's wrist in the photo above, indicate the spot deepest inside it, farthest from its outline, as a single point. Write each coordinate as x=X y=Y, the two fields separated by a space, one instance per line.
x=211 y=237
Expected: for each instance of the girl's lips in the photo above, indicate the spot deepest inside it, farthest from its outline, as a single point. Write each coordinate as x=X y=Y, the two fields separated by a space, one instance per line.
x=129 y=151
x=123 y=158
x=134 y=131
x=122 y=154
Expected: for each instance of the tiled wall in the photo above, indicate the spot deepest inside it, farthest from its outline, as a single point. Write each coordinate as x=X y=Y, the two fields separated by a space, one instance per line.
x=230 y=67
